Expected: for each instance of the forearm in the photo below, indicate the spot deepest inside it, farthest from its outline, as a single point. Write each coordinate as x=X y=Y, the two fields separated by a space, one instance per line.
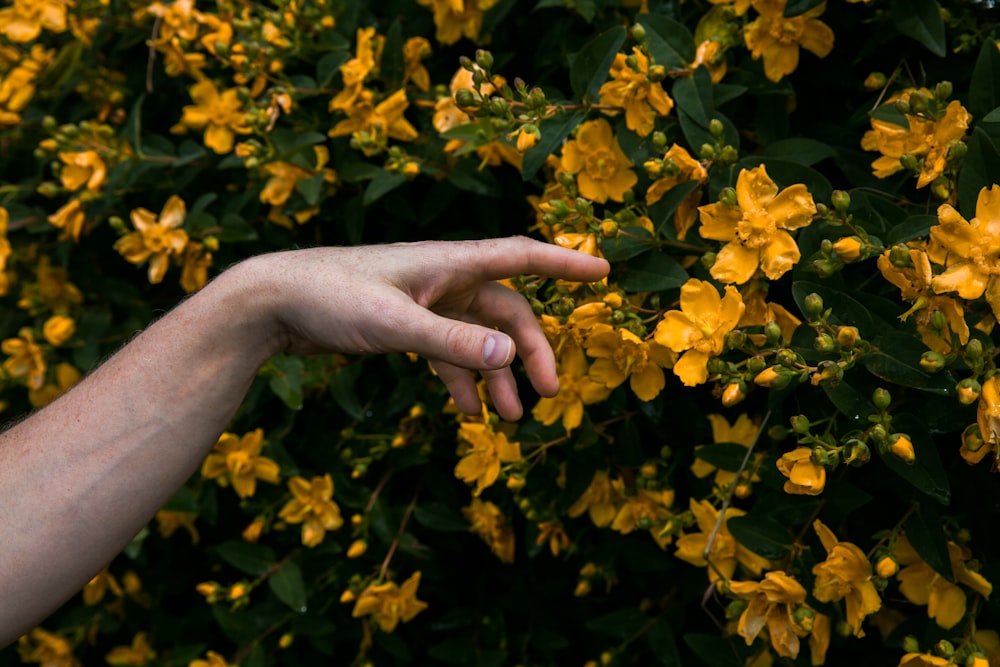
x=81 y=478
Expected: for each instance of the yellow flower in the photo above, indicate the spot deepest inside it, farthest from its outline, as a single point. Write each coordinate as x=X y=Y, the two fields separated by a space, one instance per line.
x=922 y=585
x=726 y=553
x=489 y=523
x=24 y=20
x=699 y=328
x=755 y=230
x=973 y=250
x=777 y=38
x=924 y=660
x=804 y=476
x=368 y=53
x=237 y=461
x=382 y=121
x=17 y=86
x=711 y=54
x=988 y=420
x=58 y=329
x=66 y=376
x=457 y=18
x=170 y=520
x=632 y=90
x=600 y=500
x=82 y=168
x=390 y=604
x=212 y=659
x=621 y=355
x=902 y=447
x=553 y=533
x=741 y=432
x=414 y=50
x=155 y=239
x=602 y=169
x=846 y=574
x=678 y=167
x=313 y=507
x=95 y=589
x=220 y=114
x=760 y=312
x=195 y=264
x=253 y=531
x=26 y=358
x=70 y=219
x=139 y=653
x=576 y=389
x=46 y=649
x=772 y=604
x=484 y=450
x=646 y=509
x=740 y=7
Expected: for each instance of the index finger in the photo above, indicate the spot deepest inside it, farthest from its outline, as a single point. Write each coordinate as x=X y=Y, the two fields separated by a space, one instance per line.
x=496 y=259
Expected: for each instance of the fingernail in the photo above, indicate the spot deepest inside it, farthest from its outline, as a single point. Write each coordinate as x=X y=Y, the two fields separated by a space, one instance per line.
x=496 y=350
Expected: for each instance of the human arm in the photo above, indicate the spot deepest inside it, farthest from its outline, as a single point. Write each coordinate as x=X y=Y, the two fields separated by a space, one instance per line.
x=81 y=477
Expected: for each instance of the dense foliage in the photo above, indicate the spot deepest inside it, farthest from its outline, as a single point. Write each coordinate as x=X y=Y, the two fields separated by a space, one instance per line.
x=777 y=435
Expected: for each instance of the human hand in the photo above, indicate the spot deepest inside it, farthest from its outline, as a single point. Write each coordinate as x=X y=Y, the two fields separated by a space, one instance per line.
x=438 y=299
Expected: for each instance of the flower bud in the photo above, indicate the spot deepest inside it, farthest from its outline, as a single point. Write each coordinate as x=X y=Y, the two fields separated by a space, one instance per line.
x=733 y=394
x=357 y=549
x=707 y=152
x=944 y=648
x=632 y=62
x=932 y=361
x=347 y=596
x=899 y=256
x=735 y=608
x=499 y=106
x=902 y=447
x=972 y=438
x=657 y=73
x=968 y=391
x=582 y=589
x=516 y=482
x=769 y=377
x=974 y=349
x=609 y=229
x=847 y=337
x=772 y=332
x=875 y=81
x=824 y=343
x=909 y=161
x=716 y=128
x=841 y=200
x=943 y=90
x=484 y=59
x=756 y=364
x=887 y=566
x=813 y=305
x=957 y=151
x=881 y=398
x=728 y=197
x=910 y=644
x=638 y=33
x=848 y=248
x=800 y=424
x=527 y=137
x=918 y=102
x=464 y=97
x=803 y=617
x=659 y=140
x=858 y=453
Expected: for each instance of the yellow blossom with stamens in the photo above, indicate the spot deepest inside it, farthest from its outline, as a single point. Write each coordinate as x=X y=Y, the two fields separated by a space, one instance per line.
x=488 y=522
x=17 y=83
x=698 y=330
x=390 y=604
x=756 y=230
x=682 y=168
x=725 y=552
x=82 y=168
x=221 y=115
x=772 y=604
x=576 y=389
x=777 y=38
x=988 y=420
x=846 y=574
x=237 y=461
x=312 y=505
x=455 y=19
x=646 y=509
x=621 y=355
x=155 y=239
x=414 y=51
x=46 y=648
x=101 y=583
x=368 y=53
x=138 y=653
x=24 y=20
x=168 y=521
x=631 y=89
x=804 y=476
x=973 y=250
x=383 y=120
x=922 y=585
x=26 y=358
x=742 y=432
x=603 y=171
x=212 y=659
x=553 y=533
x=70 y=219
x=600 y=500
x=483 y=451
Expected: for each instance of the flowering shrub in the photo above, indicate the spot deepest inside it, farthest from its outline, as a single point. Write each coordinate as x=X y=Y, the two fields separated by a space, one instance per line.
x=778 y=428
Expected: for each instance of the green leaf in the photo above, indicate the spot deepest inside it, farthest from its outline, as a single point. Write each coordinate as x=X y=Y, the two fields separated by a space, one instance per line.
x=693 y=96
x=920 y=20
x=622 y=623
x=925 y=531
x=761 y=535
x=980 y=169
x=342 y=390
x=383 y=183
x=662 y=643
x=723 y=455
x=652 y=272
x=670 y=43
x=915 y=226
x=440 y=516
x=592 y=64
x=637 y=241
x=328 y=66
x=895 y=358
x=799 y=150
x=311 y=188
x=394 y=645
x=993 y=116
x=286 y=141
x=285 y=378
x=662 y=212
x=984 y=88
x=188 y=152
x=253 y=559
x=287 y=584
x=239 y=626
x=553 y=130
x=849 y=401
x=846 y=310
x=717 y=651
x=798 y=7
x=392 y=67
x=465 y=176
x=926 y=473
x=457 y=651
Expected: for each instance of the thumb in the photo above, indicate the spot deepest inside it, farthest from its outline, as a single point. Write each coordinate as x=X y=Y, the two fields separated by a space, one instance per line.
x=459 y=343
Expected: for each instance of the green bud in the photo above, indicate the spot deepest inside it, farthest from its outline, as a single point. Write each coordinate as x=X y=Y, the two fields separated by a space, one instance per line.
x=939 y=323
x=756 y=364
x=824 y=343
x=786 y=358
x=638 y=33
x=632 y=62
x=943 y=90
x=735 y=340
x=708 y=259
x=707 y=152
x=735 y=608
x=499 y=106
x=974 y=349
x=464 y=97
x=715 y=366
x=877 y=434
x=847 y=337
x=918 y=102
x=902 y=106
x=841 y=200
x=824 y=268
x=944 y=648
x=484 y=59
x=909 y=161
x=957 y=151
x=772 y=332
x=813 y=305
x=716 y=128
x=466 y=63
x=881 y=398
x=777 y=433
x=657 y=73
x=899 y=256
x=910 y=644
x=728 y=197
x=858 y=453
x=659 y=140
x=729 y=154
x=800 y=424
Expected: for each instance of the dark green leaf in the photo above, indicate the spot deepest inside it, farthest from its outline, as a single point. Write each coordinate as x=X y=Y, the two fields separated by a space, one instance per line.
x=383 y=183
x=925 y=532
x=984 y=89
x=670 y=43
x=284 y=374
x=286 y=142
x=545 y=639
x=693 y=95
x=253 y=559
x=993 y=116
x=849 y=401
x=926 y=473
x=846 y=310
x=439 y=516
x=913 y=227
x=188 y=152
x=342 y=390
x=239 y=626
x=235 y=229
x=553 y=130
x=920 y=20
x=797 y=7
x=662 y=643
x=622 y=623
x=287 y=584
x=761 y=535
x=635 y=241
x=652 y=272
x=465 y=176
x=394 y=645
x=715 y=650
x=723 y=455
x=896 y=359
x=311 y=188
x=662 y=212
x=592 y=64
x=799 y=150
x=328 y=66
x=391 y=67
x=980 y=169
x=458 y=651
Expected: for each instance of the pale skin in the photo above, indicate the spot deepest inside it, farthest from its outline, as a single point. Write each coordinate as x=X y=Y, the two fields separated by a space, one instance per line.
x=81 y=477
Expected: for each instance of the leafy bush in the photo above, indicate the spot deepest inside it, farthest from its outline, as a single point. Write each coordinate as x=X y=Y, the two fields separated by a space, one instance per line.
x=777 y=434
